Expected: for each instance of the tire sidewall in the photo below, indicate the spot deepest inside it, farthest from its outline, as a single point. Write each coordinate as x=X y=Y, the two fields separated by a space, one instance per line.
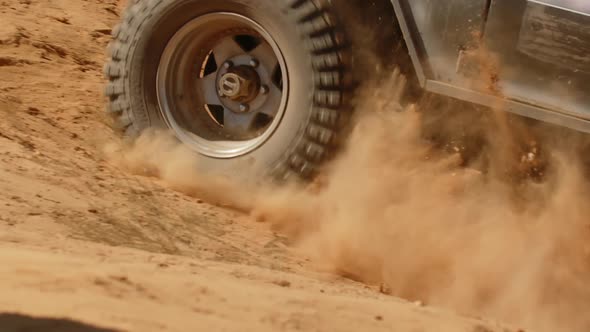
x=169 y=16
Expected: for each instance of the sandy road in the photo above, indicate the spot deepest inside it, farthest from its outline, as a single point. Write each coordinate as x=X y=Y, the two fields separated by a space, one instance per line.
x=133 y=290
x=81 y=239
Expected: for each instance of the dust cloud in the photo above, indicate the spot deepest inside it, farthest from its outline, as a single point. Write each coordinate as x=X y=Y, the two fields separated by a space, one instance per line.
x=158 y=154
x=397 y=211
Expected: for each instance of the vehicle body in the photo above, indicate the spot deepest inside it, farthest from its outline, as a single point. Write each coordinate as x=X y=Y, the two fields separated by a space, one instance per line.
x=265 y=85
x=540 y=51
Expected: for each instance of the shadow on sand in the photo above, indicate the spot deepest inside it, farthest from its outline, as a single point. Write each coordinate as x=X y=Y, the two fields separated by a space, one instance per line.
x=22 y=323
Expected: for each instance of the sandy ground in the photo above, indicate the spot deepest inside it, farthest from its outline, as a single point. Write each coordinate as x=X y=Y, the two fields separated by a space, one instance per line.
x=81 y=239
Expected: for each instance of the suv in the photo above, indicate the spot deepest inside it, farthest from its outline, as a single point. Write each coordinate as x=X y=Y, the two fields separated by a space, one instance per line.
x=262 y=87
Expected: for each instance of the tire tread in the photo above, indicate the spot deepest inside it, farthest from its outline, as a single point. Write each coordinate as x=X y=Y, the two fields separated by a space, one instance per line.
x=322 y=36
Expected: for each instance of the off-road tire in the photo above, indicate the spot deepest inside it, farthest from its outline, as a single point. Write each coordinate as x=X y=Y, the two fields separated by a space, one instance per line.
x=328 y=34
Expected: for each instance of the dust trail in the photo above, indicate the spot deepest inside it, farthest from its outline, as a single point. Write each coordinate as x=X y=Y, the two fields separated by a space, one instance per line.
x=398 y=213
x=395 y=211
x=159 y=154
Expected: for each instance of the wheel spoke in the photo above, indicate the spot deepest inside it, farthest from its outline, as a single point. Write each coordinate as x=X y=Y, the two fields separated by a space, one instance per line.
x=273 y=103
x=209 y=89
x=265 y=56
x=226 y=49
x=237 y=123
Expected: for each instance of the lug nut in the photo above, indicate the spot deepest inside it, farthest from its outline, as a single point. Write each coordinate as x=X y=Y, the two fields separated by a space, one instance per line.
x=228 y=64
x=254 y=63
x=244 y=107
x=264 y=89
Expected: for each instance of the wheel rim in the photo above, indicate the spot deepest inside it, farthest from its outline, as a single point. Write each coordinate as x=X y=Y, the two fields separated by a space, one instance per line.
x=222 y=85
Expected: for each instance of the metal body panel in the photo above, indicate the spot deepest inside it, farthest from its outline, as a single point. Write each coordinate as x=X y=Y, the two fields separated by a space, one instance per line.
x=446 y=27
x=567 y=34
x=578 y=6
x=544 y=54
x=516 y=107
x=538 y=54
x=414 y=45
